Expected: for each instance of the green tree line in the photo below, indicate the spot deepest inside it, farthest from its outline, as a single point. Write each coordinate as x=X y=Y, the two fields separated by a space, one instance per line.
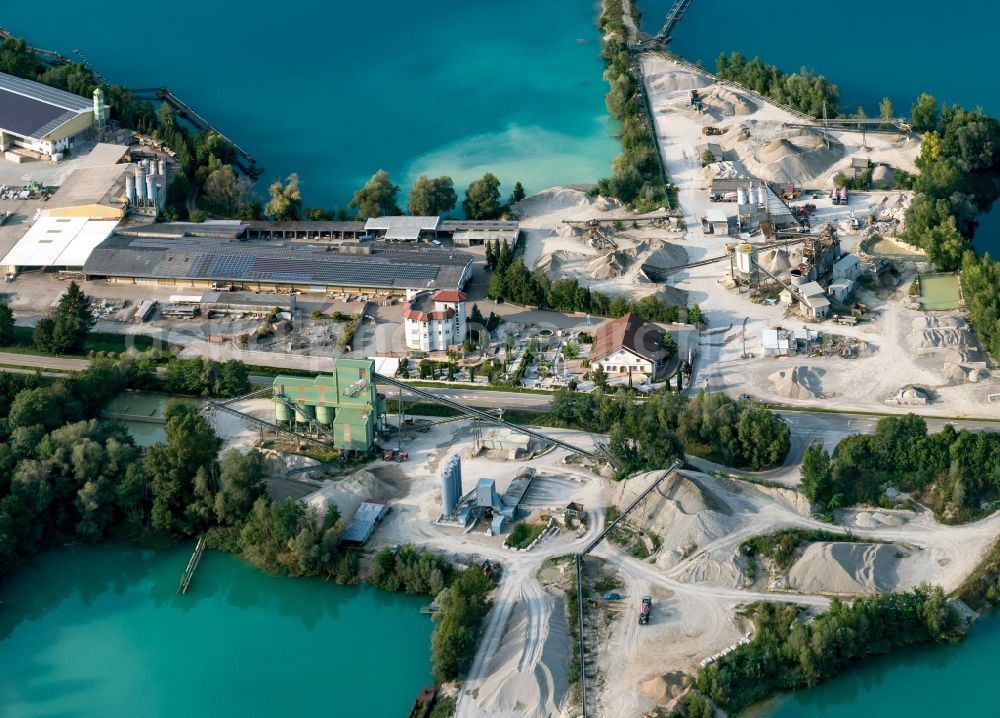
x=636 y=177
x=788 y=652
x=804 y=91
x=653 y=433
x=956 y=472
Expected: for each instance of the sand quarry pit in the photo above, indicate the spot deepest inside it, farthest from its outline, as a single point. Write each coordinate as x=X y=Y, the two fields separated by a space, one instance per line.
x=800 y=382
x=847 y=568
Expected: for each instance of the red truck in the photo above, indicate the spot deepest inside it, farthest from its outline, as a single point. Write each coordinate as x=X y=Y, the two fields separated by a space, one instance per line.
x=647 y=606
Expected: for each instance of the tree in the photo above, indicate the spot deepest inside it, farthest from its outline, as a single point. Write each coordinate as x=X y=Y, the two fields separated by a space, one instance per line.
x=228 y=194
x=517 y=195
x=599 y=377
x=924 y=113
x=764 y=437
x=6 y=325
x=694 y=315
x=668 y=345
x=885 y=110
x=240 y=477
x=65 y=329
x=286 y=200
x=482 y=198
x=431 y=197
x=377 y=198
x=707 y=158
x=817 y=477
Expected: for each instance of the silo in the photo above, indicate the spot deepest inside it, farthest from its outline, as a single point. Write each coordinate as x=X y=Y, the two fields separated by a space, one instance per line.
x=324 y=415
x=449 y=499
x=130 y=187
x=151 y=188
x=743 y=254
x=99 y=107
x=161 y=167
x=797 y=279
x=742 y=197
x=762 y=196
x=304 y=413
x=282 y=412
x=140 y=182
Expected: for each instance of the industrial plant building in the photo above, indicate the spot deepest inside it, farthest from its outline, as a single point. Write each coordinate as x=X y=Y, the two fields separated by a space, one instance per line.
x=44 y=120
x=462 y=232
x=202 y=255
x=341 y=406
x=435 y=321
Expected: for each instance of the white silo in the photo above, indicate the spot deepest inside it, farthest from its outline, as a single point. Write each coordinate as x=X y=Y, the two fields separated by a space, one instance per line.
x=161 y=167
x=130 y=188
x=140 y=182
x=742 y=196
x=744 y=252
x=762 y=195
x=151 y=188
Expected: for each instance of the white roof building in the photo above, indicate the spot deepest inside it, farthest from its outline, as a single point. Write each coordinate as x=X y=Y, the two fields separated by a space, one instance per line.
x=62 y=242
x=402 y=228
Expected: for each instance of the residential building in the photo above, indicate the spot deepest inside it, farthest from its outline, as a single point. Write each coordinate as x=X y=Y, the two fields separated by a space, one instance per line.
x=629 y=344
x=435 y=321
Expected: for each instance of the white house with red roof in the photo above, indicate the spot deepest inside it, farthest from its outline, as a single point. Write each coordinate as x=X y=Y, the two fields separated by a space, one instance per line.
x=435 y=321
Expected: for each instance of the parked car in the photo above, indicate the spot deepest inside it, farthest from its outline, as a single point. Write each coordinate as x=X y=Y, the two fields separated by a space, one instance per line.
x=612 y=596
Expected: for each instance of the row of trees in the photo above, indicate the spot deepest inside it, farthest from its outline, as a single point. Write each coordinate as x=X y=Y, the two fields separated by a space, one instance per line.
x=787 y=653
x=636 y=178
x=804 y=91
x=512 y=281
x=959 y=179
x=651 y=434
x=199 y=376
x=956 y=472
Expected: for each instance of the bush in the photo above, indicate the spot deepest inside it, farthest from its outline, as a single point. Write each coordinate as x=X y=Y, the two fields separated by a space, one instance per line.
x=523 y=533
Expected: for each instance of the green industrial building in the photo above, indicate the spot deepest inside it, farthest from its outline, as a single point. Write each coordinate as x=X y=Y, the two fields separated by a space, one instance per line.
x=342 y=405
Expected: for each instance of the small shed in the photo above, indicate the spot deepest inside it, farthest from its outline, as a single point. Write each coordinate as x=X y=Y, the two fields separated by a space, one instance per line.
x=717 y=221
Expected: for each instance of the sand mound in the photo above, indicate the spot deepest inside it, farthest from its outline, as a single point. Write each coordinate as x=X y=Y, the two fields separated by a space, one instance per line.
x=727 y=103
x=683 y=512
x=677 y=80
x=348 y=493
x=663 y=688
x=882 y=175
x=846 y=568
x=555 y=262
x=910 y=395
x=798 y=383
x=278 y=465
x=613 y=264
x=666 y=256
x=561 y=199
x=775 y=261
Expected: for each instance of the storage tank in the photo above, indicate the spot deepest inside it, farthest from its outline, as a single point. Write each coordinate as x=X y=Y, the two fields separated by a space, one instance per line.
x=449 y=499
x=282 y=412
x=742 y=197
x=304 y=413
x=762 y=196
x=324 y=414
x=744 y=252
x=151 y=188
x=130 y=187
x=797 y=279
x=99 y=107
x=140 y=182
x=161 y=167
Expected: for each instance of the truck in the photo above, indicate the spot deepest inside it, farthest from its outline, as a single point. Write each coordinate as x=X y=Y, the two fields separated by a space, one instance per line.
x=644 y=609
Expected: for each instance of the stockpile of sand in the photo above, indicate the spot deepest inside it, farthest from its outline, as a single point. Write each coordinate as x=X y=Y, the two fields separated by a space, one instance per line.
x=775 y=261
x=683 y=512
x=674 y=80
x=558 y=261
x=797 y=383
x=948 y=344
x=911 y=396
x=876 y=519
x=348 y=493
x=565 y=201
x=793 y=158
x=846 y=568
x=611 y=265
x=278 y=465
x=892 y=208
x=726 y=103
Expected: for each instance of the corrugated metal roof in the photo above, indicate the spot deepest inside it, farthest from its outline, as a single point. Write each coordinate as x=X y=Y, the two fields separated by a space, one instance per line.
x=34 y=110
x=403 y=227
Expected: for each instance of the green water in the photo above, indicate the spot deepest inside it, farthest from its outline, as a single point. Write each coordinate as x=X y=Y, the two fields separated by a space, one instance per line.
x=137 y=403
x=922 y=682
x=99 y=631
x=940 y=291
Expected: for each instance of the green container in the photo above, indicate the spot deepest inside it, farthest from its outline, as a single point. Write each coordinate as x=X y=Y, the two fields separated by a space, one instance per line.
x=324 y=415
x=282 y=412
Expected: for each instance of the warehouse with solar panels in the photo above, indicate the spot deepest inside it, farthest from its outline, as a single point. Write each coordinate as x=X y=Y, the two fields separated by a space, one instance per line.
x=42 y=119
x=212 y=254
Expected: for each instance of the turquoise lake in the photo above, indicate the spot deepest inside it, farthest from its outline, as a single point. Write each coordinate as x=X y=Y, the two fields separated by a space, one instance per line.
x=99 y=631
x=337 y=90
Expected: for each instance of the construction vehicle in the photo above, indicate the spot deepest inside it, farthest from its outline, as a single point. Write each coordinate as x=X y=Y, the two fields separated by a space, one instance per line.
x=855 y=222
x=710 y=130
x=644 y=610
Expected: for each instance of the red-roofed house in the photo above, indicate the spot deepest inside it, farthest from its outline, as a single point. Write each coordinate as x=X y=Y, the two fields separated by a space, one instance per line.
x=629 y=344
x=435 y=321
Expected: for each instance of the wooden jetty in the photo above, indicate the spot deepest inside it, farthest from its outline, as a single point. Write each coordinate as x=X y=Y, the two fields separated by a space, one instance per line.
x=192 y=566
